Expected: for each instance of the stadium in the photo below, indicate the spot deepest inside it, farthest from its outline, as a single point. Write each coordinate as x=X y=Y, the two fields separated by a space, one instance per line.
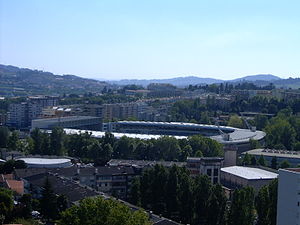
x=228 y=136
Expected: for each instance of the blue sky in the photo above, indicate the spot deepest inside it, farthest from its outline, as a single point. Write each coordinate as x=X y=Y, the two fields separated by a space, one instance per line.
x=118 y=39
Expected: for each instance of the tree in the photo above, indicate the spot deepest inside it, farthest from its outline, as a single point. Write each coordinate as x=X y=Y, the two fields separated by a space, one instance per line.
x=246 y=159
x=201 y=193
x=26 y=205
x=48 y=201
x=57 y=141
x=135 y=192
x=216 y=206
x=262 y=161
x=4 y=134
x=13 y=141
x=285 y=164
x=235 y=121
x=266 y=204
x=253 y=161
x=91 y=211
x=274 y=163
x=280 y=131
x=6 y=203
x=242 y=207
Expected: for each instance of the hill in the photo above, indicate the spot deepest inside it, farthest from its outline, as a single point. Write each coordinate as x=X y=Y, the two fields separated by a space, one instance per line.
x=185 y=81
x=178 y=81
x=19 y=81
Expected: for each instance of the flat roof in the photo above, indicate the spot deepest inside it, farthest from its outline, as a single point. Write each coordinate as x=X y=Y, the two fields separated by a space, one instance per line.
x=67 y=118
x=274 y=152
x=44 y=161
x=249 y=173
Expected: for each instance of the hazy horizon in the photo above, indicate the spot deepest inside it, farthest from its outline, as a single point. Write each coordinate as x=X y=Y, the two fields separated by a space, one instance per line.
x=113 y=40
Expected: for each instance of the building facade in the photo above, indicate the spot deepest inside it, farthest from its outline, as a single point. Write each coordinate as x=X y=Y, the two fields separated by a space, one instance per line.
x=288 y=203
x=209 y=166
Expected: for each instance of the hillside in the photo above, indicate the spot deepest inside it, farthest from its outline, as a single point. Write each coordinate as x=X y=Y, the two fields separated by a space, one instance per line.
x=185 y=81
x=20 y=81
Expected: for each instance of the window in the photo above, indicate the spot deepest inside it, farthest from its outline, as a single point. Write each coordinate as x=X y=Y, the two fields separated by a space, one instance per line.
x=216 y=172
x=208 y=172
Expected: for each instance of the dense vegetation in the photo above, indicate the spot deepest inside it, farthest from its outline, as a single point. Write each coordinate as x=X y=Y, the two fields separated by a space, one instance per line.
x=174 y=194
x=91 y=211
x=84 y=146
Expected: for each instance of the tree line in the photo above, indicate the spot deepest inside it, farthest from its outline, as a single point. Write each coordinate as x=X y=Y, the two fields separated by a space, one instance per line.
x=101 y=150
x=174 y=194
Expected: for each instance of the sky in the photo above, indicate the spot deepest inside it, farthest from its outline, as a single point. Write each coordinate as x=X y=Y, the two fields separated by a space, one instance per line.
x=147 y=39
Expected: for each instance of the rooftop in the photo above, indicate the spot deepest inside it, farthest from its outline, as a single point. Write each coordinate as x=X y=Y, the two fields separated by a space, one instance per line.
x=274 y=152
x=65 y=119
x=44 y=161
x=249 y=173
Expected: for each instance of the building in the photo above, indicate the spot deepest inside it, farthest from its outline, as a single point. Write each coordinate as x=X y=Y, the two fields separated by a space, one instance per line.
x=238 y=176
x=209 y=166
x=143 y=164
x=293 y=157
x=8 y=181
x=21 y=114
x=112 y=180
x=288 y=203
x=46 y=162
x=223 y=134
x=77 y=122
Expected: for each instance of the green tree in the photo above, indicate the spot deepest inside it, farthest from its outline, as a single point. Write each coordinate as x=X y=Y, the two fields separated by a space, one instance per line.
x=6 y=203
x=274 y=163
x=285 y=164
x=280 y=131
x=262 y=161
x=246 y=159
x=57 y=141
x=253 y=161
x=4 y=134
x=201 y=193
x=135 y=192
x=235 y=121
x=216 y=206
x=91 y=211
x=26 y=205
x=13 y=140
x=48 y=202
x=242 y=207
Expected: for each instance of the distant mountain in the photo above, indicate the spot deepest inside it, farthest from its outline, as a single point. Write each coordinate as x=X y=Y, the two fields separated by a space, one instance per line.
x=178 y=81
x=20 y=81
x=185 y=81
x=264 y=77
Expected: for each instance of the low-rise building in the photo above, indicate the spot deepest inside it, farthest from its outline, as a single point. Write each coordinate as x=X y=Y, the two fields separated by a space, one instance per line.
x=239 y=176
x=209 y=166
x=293 y=157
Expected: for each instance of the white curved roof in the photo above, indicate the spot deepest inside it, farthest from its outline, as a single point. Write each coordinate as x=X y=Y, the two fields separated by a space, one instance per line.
x=44 y=161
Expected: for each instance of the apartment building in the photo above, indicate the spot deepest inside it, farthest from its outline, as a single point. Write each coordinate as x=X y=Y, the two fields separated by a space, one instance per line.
x=209 y=166
x=288 y=203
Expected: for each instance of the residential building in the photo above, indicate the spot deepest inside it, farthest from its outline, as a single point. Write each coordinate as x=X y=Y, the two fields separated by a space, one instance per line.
x=288 y=203
x=238 y=176
x=209 y=166
x=20 y=115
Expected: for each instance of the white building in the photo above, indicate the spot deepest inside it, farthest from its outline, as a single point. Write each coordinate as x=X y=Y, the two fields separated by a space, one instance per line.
x=240 y=176
x=288 y=204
